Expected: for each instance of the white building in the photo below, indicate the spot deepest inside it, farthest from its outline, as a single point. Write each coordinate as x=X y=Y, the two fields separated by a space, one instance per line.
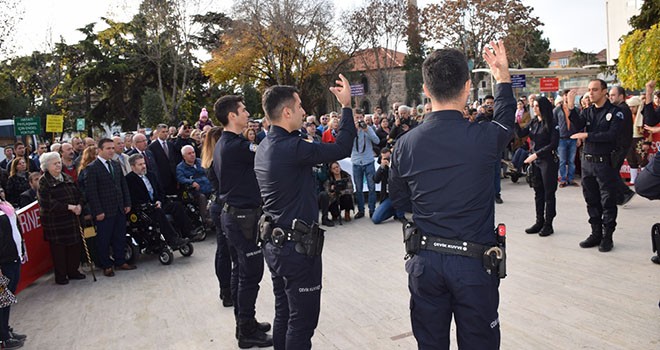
x=618 y=13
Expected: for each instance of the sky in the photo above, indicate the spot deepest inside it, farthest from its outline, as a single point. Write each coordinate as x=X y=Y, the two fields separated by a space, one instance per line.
x=568 y=23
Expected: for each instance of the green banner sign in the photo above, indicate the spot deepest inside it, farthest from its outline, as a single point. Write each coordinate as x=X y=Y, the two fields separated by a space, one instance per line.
x=27 y=126
x=80 y=124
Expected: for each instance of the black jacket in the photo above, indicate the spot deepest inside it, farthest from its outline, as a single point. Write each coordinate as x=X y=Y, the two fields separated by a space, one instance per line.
x=165 y=166
x=138 y=190
x=8 y=252
x=382 y=176
x=603 y=126
x=544 y=142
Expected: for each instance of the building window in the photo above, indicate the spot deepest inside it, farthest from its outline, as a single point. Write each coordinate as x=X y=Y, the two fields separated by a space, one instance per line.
x=365 y=83
x=563 y=62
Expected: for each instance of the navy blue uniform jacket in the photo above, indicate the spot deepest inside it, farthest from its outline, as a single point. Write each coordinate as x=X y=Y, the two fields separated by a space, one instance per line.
x=442 y=171
x=603 y=126
x=283 y=165
x=233 y=162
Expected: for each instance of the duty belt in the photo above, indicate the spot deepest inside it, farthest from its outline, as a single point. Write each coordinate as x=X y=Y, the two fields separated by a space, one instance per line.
x=450 y=246
x=282 y=235
x=594 y=158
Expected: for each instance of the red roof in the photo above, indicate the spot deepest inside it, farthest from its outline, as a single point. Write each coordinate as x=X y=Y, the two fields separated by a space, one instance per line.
x=365 y=60
x=557 y=55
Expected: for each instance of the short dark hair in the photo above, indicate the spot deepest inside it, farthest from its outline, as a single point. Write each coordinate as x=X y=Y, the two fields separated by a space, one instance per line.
x=603 y=84
x=445 y=72
x=385 y=150
x=225 y=105
x=275 y=98
x=620 y=90
x=134 y=158
x=103 y=141
x=18 y=143
x=489 y=97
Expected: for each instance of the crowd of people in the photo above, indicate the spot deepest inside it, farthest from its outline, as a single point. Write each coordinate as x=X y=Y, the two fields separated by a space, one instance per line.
x=83 y=182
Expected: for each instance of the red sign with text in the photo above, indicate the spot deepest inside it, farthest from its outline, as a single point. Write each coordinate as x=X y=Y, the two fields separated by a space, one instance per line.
x=38 y=251
x=549 y=84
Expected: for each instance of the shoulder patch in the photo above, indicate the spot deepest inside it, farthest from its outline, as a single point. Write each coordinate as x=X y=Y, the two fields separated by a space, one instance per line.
x=253 y=147
x=619 y=115
x=557 y=127
x=307 y=140
x=608 y=116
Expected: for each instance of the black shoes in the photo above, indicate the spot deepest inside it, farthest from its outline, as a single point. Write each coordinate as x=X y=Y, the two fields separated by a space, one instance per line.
x=606 y=244
x=12 y=343
x=179 y=243
x=327 y=222
x=498 y=199
x=251 y=333
x=591 y=241
x=225 y=296
x=359 y=215
x=546 y=230
x=79 y=276
x=536 y=228
x=655 y=259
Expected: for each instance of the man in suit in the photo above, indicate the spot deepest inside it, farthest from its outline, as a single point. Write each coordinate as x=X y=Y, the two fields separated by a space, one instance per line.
x=30 y=195
x=144 y=188
x=164 y=159
x=266 y=128
x=109 y=202
x=140 y=144
x=119 y=155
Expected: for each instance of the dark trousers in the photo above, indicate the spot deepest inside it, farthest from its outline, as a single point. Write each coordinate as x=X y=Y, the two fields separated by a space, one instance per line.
x=66 y=259
x=445 y=285
x=250 y=268
x=111 y=232
x=181 y=220
x=13 y=271
x=545 y=171
x=225 y=255
x=621 y=187
x=599 y=189
x=166 y=229
x=297 y=288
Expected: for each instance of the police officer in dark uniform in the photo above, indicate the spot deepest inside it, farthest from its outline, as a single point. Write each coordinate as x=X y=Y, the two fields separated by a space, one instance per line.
x=544 y=133
x=283 y=165
x=623 y=141
x=599 y=175
x=451 y=196
x=233 y=162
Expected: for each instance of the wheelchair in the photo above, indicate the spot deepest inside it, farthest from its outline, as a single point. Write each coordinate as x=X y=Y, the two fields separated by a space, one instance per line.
x=186 y=197
x=143 y=236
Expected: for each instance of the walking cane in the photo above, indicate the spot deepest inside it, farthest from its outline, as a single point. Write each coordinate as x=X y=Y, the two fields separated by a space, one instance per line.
x=89 y=258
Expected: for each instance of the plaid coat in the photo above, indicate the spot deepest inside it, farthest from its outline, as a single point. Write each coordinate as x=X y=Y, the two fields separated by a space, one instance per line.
x=60 y=225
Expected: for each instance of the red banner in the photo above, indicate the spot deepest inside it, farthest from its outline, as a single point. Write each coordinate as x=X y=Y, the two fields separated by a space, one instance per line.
x=549 y=84
x=38 y=251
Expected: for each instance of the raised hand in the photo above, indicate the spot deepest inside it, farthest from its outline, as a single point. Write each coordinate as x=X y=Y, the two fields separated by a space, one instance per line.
x=495 y=56
x=342 y=91
x=650 y=86
x=570 y=99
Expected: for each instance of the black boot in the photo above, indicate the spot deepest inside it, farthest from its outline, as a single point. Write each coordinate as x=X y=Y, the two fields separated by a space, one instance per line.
x=250 y=335
x=225 y=296
x=536 y=228
x=547 y=229
x=595 y=237
x=262 y=326
x=606 y=244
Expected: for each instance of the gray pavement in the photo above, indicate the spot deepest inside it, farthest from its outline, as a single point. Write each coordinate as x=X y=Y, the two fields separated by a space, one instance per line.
x=557 y=295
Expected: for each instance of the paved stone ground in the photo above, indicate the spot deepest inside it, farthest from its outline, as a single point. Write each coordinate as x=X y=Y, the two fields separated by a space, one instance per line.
x=557 y=295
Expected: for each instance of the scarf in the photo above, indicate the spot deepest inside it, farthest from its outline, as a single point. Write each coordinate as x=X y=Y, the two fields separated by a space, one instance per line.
x=8 y=210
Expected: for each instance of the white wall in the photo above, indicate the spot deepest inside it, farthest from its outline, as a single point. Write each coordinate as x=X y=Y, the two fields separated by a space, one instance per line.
x=618 y=13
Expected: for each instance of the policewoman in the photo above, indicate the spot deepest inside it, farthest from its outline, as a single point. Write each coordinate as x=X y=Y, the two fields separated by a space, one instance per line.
x=544 y=133
x=292 y=246
x=442 y=172
x=603 y=122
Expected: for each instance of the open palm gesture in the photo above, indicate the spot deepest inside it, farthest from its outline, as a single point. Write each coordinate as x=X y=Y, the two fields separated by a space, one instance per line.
x=495 y=56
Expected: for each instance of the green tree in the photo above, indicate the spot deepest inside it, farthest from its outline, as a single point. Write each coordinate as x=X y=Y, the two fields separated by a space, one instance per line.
x=581 y=58
x=414 y=58
x=648 y=16
x=528 y=48
x=639 y=57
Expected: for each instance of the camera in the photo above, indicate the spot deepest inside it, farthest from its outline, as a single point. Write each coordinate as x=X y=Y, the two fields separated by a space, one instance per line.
x=362 y=124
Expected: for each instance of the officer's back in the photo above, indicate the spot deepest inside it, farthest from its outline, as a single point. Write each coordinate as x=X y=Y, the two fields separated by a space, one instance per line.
x=448 y=163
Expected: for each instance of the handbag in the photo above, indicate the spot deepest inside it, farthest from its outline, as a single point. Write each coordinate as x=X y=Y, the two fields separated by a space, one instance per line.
x=6 y=296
